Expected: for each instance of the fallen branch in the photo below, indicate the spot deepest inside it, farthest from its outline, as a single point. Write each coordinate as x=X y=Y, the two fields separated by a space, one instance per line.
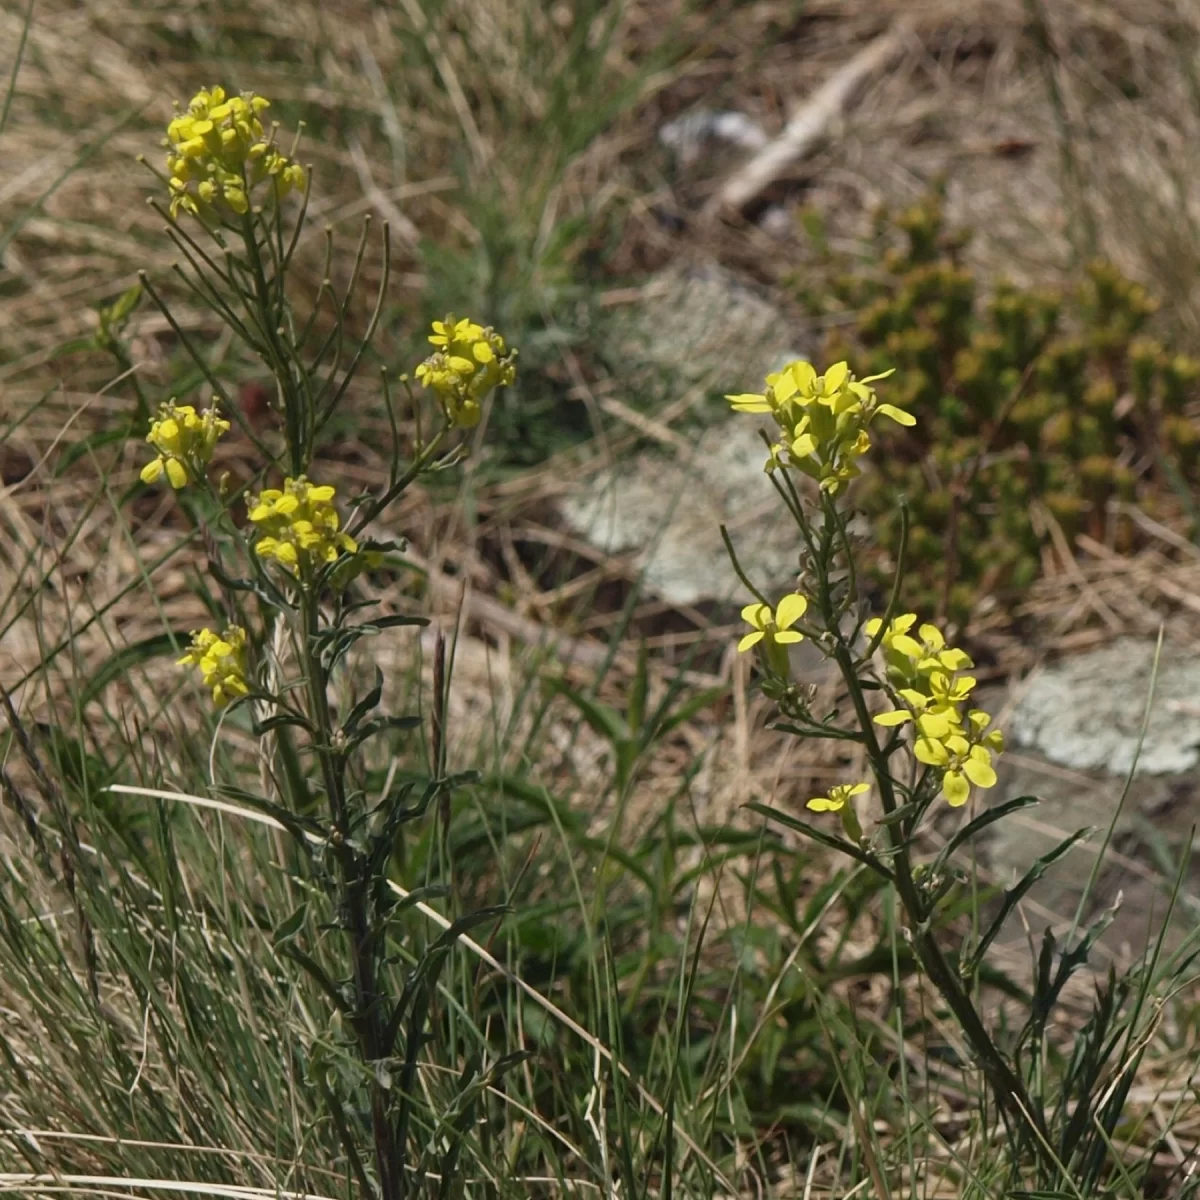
x=810 y=123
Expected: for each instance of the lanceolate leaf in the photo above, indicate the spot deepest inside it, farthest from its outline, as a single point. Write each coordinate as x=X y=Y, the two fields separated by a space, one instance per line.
x=1015 y=894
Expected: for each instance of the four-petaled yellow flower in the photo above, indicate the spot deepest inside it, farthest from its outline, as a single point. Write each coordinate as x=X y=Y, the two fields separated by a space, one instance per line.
x=300 y=524
x=218 y=153
x=823 y=419
x=470 y=361
x=773 y=629
x=222 y=662
x=185 y=440
x=837 y=797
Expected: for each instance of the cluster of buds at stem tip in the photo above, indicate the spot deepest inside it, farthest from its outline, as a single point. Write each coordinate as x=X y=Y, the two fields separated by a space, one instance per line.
x=218 y=154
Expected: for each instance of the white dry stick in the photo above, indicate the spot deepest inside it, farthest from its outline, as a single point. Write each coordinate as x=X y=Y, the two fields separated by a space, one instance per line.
x=809 y=124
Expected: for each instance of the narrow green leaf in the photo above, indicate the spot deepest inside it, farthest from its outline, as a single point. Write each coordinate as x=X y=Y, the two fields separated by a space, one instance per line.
x=606 y=721
x=981 y=822
x=290 y=926
x=364 y=706
x=1014 y=895
x=820 y=836
x=317 y=974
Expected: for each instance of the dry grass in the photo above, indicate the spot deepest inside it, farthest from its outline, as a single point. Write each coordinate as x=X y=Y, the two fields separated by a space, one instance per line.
x=434 y=118
x=413 y=116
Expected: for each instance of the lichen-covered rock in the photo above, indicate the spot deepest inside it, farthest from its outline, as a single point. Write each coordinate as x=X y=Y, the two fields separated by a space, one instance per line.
x=1074 y=736
x=1086 y=712
x=698 y=327
x=700 y=330
x=669 y=512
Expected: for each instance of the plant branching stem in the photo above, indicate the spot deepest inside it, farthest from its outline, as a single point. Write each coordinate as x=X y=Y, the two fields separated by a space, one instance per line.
x=1011 y=1093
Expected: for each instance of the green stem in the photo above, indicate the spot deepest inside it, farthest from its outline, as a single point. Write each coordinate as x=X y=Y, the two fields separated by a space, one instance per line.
x=1010 y=1091
x=389 y=1161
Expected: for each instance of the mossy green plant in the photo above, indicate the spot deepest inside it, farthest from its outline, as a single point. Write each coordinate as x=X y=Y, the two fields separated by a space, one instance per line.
x=1036 y=406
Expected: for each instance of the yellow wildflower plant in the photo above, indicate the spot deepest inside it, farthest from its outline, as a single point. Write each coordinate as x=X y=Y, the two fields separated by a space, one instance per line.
x=218 y=153
x=300 y=526
x=836 y=800
x=823 y=419
x=469 y=362
x=221 y=659
x=185 y=440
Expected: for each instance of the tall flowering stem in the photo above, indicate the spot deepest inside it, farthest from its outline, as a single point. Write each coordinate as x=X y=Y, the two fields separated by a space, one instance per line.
x=931 y=744
x=293 y=558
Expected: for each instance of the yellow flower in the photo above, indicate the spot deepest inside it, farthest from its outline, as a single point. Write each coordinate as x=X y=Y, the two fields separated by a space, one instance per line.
x=907 y=658
x=185 y=440
x=772 y=630
x=218 y=153
x=968 y=765
x=837 y=797
x=933 y=701
x=300 y=525
x=823 y=419
x=469 y=362
x=774 y=627
x=222 y=662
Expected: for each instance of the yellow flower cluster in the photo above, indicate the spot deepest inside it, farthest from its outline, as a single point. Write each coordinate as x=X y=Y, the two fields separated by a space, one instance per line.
x=185 y=440
x=823 y=419
x=469 y=362
x=300 y=524
x=222 y=662
x=218 y=153
x=950 y=735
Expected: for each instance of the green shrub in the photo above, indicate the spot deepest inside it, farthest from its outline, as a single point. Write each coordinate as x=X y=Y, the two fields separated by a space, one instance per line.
x=1035 y=405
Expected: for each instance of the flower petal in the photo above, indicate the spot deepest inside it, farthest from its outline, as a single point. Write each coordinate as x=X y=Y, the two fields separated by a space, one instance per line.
x=930 y=752
x=955 y=788
x=757 y=615
x=897 y=414
x=749 y=402
x=824 y=804
x=931 y=635
x=836 y=376
x=751 y=639
x=896 y=717
x=978 y=768
x=791 y=608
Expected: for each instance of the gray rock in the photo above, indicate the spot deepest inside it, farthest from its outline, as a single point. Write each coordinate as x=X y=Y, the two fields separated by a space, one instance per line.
x=1073 y=740
x=1086 y=712
x=698 y=327
x=669 y=513
x=698 y=330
